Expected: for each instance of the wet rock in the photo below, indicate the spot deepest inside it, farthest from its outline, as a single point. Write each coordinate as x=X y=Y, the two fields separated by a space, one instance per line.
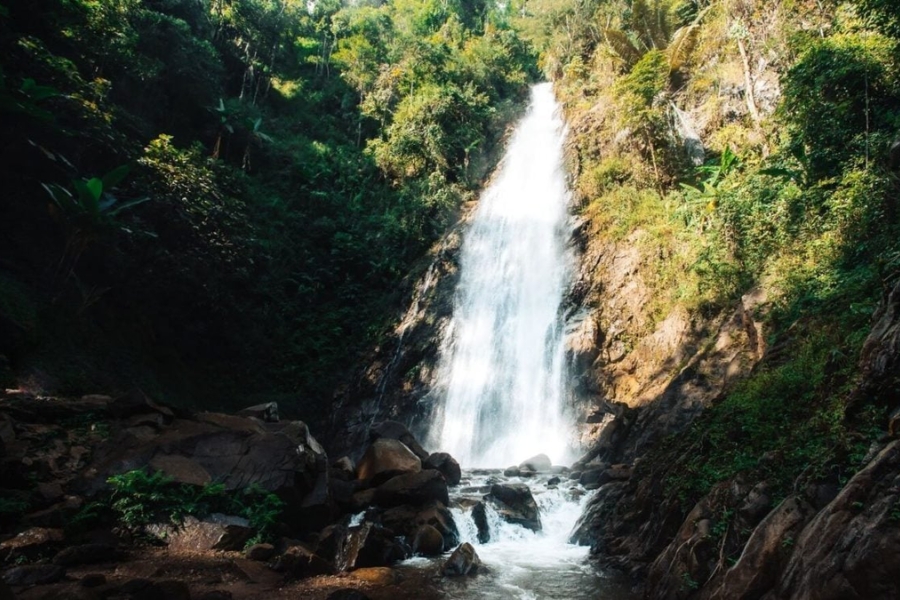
x=260 y=552
x=515 y=504
x=267 y=412
x=511 y=472
x=215 y=532
x=405 y=521
x=373 y=546
x=594 y=477
x=85 y=554
x=553 y=481
x=538 y=463
x=31 y=542
x=387 y=456
x=479 y=515
x=27 y=575
x=92 y=580
x=446 y=464
x=398 y=431
x=428 y=541
x=347 y=594
x=299 y=562
x=464 y=561
x=413 y=488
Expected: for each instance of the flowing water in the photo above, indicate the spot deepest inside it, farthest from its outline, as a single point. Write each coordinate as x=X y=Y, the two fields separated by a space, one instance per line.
x=502 y=379
x=501 y=371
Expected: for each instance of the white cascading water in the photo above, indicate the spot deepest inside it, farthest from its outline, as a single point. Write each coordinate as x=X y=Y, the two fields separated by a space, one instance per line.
x=502 y=366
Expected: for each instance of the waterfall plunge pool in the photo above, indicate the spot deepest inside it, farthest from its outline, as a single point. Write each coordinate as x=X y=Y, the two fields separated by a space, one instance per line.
x=521 y=564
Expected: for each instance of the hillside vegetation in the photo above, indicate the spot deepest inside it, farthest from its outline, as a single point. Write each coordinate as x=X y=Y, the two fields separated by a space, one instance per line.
x=741 y=149
x=217 y=201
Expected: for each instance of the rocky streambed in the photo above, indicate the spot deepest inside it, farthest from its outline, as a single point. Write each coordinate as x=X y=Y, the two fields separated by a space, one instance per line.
x=124 y=497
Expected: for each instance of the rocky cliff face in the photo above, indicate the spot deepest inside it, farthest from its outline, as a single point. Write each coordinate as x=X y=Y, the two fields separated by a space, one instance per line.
x=828 y=539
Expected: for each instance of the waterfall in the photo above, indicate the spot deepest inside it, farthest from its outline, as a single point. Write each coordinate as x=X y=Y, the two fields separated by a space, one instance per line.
x=501 y=368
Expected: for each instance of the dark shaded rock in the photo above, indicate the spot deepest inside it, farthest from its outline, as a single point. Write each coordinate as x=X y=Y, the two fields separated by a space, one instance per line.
x=137 y=402
x=387 y=456
x=169 y=589
x=479 y=515
x=446 y=464
x=374 y=546
x=85 y=554
x=464 y=561
x=92 y=580
x=405 y=520
x=5 y=592
x=181 y=469
x=413 y=488
x=428 y=541
x=267 y=412
x=594 y=476
x=398 y=431
x=515 y=504
x=299 y=562
x=31 y=542
x=538 y=463
x=347 y=594
x=511 y=472
x=260 y=552
x=26 y=575
x=343 y=468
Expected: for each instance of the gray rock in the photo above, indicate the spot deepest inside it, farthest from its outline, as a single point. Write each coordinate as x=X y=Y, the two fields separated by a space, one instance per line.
x=398 y=431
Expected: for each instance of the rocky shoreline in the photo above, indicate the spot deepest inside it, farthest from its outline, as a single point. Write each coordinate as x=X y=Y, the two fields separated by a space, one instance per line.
x=127 y=498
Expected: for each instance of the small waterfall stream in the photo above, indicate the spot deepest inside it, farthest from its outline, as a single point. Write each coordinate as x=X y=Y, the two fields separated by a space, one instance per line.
x=502 y=377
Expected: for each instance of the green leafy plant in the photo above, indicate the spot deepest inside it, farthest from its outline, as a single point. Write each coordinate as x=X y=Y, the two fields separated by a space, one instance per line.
x=140 y=498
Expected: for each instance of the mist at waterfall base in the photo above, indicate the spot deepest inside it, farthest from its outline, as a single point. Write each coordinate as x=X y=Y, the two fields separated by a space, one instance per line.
x=501 y=369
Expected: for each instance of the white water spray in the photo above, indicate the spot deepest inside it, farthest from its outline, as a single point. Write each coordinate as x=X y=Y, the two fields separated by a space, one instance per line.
x=502 y=366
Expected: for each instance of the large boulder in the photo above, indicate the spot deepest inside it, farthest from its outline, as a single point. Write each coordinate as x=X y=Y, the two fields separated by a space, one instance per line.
x=413 y=488
x=446 y=464
x=368 y=545
x=398 y=431
x=515 y=504
x=283 y=458
x=215 y=532
x=299 y=562
x=428 y=541
x=463 y=561
x=389 y=456
x=407 y=520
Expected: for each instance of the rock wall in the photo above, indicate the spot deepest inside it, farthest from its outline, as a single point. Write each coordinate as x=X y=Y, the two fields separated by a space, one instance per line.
x=823 y=541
